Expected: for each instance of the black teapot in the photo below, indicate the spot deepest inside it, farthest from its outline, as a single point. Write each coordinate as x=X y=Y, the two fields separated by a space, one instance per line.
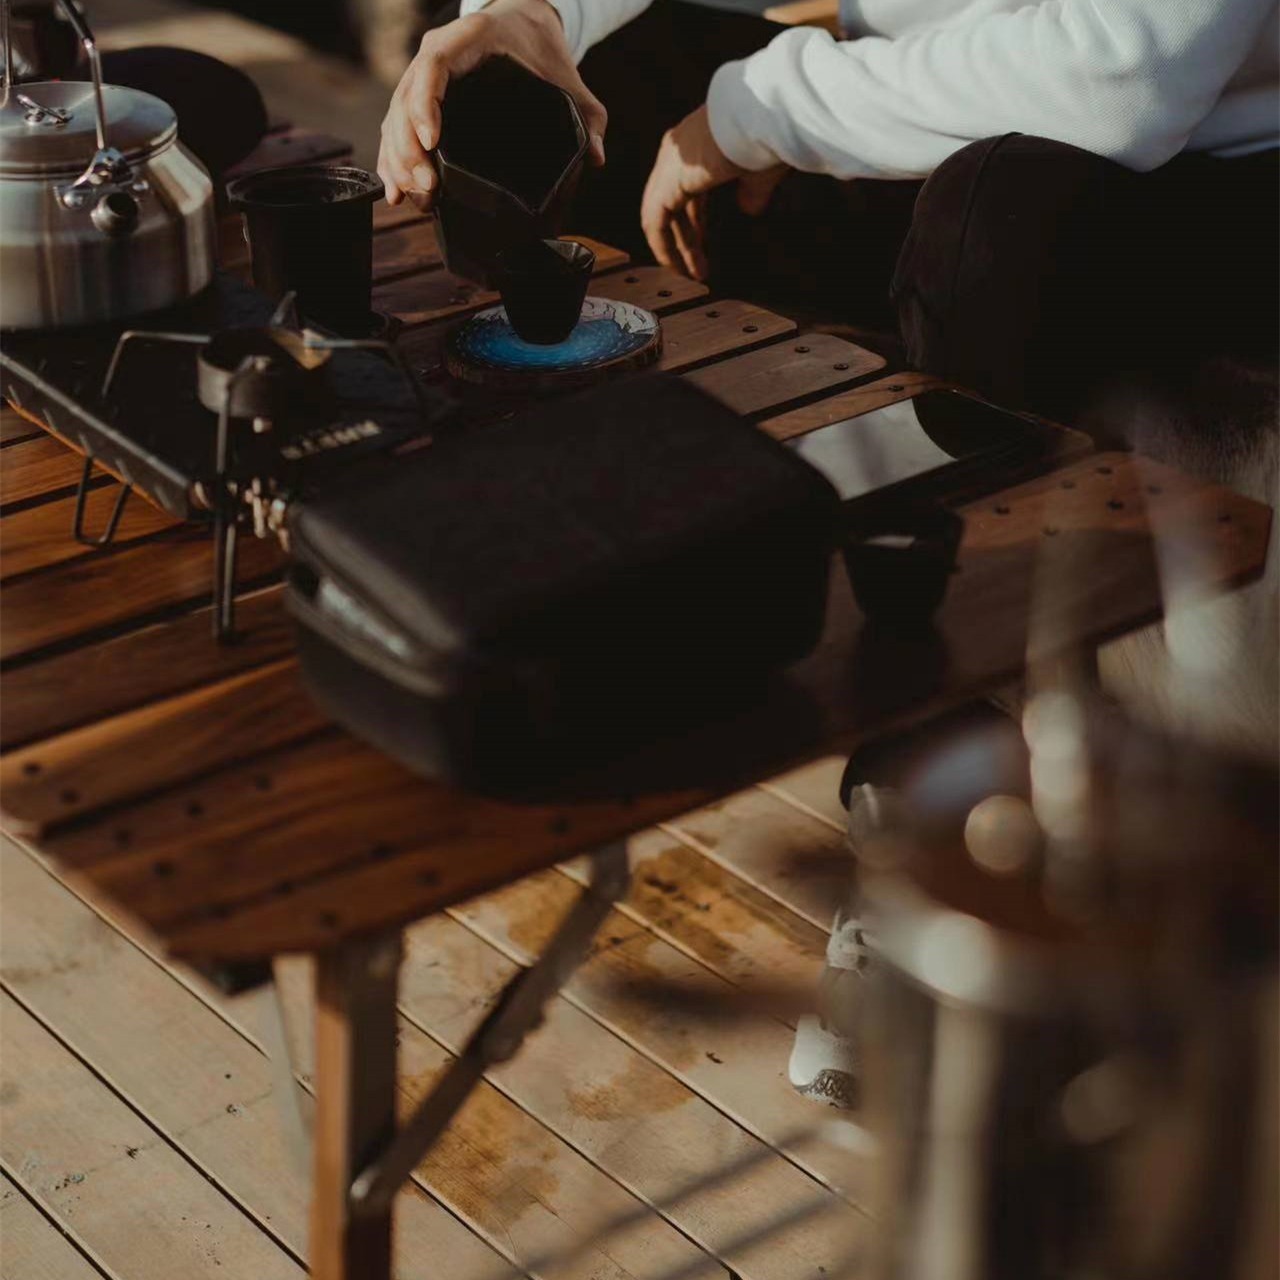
x=510 y=154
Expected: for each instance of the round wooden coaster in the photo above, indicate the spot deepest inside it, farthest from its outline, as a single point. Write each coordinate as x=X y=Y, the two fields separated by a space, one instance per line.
x=611 y=337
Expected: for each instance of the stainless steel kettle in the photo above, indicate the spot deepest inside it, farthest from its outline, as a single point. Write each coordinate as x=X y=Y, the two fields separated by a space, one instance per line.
x=103 y=213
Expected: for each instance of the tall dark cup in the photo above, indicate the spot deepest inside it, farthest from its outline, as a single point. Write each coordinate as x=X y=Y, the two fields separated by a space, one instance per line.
x=510 y=154
x=310 y=229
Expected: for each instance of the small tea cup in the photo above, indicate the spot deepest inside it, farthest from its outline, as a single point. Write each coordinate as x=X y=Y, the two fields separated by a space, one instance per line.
x=543 y=284
x=899 y=561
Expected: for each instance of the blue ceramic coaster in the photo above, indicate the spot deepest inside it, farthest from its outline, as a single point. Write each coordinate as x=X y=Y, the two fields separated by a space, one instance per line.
x=610 y=335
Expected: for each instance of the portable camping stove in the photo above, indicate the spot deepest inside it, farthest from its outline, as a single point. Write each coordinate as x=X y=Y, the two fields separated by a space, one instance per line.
x=266 y=409
x=253 y=379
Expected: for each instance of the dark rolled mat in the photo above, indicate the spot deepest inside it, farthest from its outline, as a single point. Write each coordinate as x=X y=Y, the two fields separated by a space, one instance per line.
x=221 y=115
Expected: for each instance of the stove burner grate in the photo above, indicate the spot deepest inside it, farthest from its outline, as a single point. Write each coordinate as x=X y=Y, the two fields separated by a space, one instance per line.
x=248 y=377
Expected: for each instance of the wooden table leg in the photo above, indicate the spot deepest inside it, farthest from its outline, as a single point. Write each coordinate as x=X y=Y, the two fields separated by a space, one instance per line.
x=355 y=1082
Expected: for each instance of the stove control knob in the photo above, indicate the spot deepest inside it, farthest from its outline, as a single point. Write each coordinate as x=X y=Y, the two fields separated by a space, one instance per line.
x=116 y=214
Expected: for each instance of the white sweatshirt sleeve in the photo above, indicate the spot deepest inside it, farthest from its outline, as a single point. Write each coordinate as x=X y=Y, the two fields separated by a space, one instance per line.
x=586 y=22
x=1126 y=79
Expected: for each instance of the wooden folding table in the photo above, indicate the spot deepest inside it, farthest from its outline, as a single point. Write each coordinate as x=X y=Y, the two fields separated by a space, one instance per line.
x=199 y=788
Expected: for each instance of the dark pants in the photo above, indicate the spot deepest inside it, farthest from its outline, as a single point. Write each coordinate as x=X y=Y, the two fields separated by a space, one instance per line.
x=1027 y=269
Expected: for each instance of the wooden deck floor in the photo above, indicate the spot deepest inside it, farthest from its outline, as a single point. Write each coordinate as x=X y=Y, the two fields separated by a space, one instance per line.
x=141 y=1140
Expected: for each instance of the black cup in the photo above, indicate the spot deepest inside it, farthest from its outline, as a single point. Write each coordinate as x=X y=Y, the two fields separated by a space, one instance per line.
x=543 y=284
x=899 y=561
x=510 y=154
x=311 y=231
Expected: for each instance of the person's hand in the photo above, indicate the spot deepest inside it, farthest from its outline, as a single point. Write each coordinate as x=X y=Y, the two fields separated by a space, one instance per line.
x=528 y=31
x=689 y=165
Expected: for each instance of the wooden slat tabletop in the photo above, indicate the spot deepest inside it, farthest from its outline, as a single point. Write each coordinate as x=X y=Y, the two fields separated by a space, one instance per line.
x=37 y=470
x=91 y=594
x=811 y=364
x=199 y=786
x=139 y=666
x=14 y=428
x=37 y=537
x=701 y=334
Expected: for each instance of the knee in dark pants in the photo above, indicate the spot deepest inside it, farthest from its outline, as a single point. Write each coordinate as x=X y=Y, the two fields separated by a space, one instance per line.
x=1006 y=283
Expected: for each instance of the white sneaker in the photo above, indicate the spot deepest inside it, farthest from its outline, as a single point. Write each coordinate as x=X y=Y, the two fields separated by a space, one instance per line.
x=824 y=1058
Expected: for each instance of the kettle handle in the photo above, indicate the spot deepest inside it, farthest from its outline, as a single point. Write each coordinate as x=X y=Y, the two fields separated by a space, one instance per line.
x=81 y=27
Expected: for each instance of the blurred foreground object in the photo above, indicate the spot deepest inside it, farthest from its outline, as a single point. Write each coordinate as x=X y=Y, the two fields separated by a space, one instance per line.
x=1072 y=1067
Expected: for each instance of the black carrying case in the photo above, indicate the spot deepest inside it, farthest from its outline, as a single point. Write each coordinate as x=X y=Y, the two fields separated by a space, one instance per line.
x=521 y=600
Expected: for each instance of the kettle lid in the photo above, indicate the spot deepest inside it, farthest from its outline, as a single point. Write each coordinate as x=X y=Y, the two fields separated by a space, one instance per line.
x=49 y=127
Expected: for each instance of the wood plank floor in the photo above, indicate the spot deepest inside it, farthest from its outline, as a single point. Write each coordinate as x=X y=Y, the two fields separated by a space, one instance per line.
x=139 y=1134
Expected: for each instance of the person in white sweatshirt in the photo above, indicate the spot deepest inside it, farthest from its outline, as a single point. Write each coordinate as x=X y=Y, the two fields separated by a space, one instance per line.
x=1045 y=197
x=695 y=100
x=824 y=142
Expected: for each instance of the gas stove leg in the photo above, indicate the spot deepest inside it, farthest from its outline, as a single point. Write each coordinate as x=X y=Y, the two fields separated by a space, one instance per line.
x=108 y=534
x=355 y=1082
x=226 y=535
x=226 y=518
